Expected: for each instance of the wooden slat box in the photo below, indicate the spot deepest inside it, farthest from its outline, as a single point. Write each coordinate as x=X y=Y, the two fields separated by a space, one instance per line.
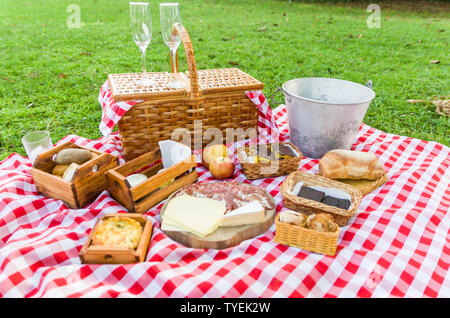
x=157 y=187
x=92 y=254
x=87 y=183
x=213 y=98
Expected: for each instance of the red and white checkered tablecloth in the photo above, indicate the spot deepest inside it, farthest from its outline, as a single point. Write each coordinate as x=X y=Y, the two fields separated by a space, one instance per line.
x=398 y=244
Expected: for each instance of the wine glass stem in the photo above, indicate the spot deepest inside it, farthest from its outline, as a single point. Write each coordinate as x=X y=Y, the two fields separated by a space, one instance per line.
x=143 y=60
x=173 y=56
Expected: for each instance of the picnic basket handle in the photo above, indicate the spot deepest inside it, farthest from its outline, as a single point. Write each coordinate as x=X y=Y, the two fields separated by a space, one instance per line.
x=190 y=58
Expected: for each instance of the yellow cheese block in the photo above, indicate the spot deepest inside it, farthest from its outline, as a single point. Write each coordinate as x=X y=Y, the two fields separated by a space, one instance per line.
x=247 y=214
x=200 y=216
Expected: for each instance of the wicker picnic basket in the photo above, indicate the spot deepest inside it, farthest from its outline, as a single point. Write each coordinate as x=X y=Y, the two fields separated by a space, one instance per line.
x=296 y=203
x=268 y=169
x=308 y=239
x=213 y=98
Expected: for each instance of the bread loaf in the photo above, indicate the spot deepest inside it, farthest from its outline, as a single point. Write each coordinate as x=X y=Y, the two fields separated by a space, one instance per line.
x=348 y=164
x=321 y=222
x=58 y=170
x=292 y=217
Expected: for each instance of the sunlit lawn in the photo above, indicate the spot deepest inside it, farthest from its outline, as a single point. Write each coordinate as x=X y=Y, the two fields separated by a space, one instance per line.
x=50 y=75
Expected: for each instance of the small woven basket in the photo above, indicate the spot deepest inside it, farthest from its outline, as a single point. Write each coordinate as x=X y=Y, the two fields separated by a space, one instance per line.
x=296 y=203
x=268 y=169
x=302 y=237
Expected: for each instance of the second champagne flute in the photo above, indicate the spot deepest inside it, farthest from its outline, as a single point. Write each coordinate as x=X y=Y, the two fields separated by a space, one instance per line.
x=141 y=30
x=170 y=29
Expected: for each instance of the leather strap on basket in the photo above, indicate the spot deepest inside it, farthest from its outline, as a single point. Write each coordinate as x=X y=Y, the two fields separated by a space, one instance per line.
x=192 y=67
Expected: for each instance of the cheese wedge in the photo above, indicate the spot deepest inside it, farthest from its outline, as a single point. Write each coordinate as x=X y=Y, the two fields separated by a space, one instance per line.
x=200 y=216
x=247 y=214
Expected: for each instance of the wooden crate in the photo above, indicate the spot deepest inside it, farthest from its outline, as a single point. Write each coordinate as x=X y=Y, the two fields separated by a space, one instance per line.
x=91 y=254
x=87 y=183
x=213 y=98
x=141 y=198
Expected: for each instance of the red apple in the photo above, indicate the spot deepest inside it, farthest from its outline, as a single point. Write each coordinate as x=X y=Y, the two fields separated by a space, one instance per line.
x=211 y=152
x=222 y=168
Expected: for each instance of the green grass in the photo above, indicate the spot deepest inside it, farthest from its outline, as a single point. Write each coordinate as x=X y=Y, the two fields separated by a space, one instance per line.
x=300 y=40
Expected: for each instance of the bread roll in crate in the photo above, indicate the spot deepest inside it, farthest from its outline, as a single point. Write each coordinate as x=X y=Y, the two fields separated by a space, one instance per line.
x=72 y=173
x=322 y=195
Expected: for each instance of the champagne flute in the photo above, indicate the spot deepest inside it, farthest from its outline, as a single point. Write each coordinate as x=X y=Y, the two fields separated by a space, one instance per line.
x=141 y=31
x=170 y=29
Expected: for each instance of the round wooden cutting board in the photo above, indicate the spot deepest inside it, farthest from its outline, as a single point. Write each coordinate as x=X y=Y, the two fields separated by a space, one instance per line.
x=223 y=237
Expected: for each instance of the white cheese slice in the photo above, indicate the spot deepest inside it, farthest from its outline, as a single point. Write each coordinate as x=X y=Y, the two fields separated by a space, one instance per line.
x=200 y=216
x=250 y=213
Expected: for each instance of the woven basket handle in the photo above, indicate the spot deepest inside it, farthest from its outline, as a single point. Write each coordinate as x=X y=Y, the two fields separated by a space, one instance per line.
x=192 y=67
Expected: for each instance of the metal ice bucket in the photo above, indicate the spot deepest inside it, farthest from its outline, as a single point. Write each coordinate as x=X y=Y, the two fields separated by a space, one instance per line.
x=324 y=113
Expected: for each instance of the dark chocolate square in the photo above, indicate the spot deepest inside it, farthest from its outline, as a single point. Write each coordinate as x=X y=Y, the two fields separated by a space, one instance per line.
x=339 y=203
x=311 y=194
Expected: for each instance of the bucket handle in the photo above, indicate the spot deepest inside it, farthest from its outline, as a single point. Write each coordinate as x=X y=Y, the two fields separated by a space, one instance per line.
x=279 y=89
x=369 y=84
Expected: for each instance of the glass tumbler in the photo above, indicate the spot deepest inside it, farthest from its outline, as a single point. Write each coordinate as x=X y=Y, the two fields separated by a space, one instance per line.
x=35 y=143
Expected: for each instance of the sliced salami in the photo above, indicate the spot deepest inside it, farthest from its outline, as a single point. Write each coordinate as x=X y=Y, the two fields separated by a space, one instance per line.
x=234 y=194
